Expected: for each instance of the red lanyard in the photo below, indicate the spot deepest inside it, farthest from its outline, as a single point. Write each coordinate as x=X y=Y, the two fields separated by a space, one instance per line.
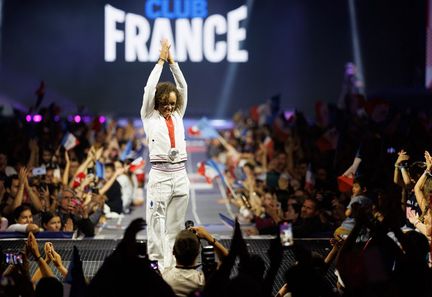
x=170 y=124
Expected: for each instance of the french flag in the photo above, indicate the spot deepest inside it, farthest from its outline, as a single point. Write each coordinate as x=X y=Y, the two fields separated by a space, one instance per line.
x=194 y=131
x=269 y=144
x=137 y=164
x=203 y=129
x=69 y=141
x=309 y=179
x=210 y=170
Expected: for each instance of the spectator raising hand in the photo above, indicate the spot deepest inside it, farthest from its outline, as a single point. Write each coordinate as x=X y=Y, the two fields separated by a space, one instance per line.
x=202 y=232
x=412 y=216
x=33 y=248
x=55 y=258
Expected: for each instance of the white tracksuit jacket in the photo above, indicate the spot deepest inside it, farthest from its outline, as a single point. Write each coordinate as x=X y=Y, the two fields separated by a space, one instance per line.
x=168 y=185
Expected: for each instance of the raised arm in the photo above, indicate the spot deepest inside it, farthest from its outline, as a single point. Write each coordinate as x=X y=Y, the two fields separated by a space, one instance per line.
x=220 y=250
x=34 y=154
x=415 y=220
x=22 y=180
x=150 y=88
x=34 y=249
x=418 y=188
x=57 y=260
x=37 y=275
x=83 y=166
x=111 y=181
x=36 y=202
x=179 y=81
x=402 y=156
x=65 y=177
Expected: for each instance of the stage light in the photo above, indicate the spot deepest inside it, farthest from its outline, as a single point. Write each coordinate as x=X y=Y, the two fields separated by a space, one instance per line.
x=102 y=119
x=77 y=118
x=28 y=118
x=37 y=118
x=56 y=118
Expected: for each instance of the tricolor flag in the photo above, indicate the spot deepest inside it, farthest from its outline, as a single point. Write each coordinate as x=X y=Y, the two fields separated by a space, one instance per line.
x=194 y=131
x=78 y=179
x=269 y=144
x=210 y=170
x=136 y=164
x=203 y=129
x=69 y=141
x=309 y=179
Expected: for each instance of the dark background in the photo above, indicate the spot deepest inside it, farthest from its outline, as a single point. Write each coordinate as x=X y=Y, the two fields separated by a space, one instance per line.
x=297 y=48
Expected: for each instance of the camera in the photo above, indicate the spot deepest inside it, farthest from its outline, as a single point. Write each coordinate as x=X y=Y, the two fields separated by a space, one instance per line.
x=208 y=260
x=189 y=224
x=142 y=249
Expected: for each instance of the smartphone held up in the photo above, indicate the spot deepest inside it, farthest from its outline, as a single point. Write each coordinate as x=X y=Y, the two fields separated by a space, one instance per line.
x=286 y=234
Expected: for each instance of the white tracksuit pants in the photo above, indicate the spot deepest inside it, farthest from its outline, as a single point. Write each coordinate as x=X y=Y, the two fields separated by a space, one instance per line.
x=167 y=201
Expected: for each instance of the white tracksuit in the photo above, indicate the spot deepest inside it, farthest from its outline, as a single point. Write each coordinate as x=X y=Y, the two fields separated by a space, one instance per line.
x=168 y=184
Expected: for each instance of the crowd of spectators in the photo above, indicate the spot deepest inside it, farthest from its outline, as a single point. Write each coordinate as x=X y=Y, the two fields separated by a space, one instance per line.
x=57 y=175
x=280 y=166
x=384 y=265
x=359 y=173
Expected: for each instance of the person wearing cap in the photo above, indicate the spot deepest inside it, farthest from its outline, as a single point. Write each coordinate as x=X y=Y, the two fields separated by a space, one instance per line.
x=164 y=105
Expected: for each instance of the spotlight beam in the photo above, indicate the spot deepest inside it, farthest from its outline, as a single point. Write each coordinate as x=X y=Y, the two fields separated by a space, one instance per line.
x=230 y=76
x=356 y=45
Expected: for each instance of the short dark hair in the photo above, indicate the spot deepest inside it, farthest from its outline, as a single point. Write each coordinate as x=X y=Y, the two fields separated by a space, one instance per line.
x=315 y=201
x=49 y=287
x=46 y=216
x=361 y=181
x=109 y=165
x=163 y=90
x=186 y=248
x=17 y=211
x=9 y=179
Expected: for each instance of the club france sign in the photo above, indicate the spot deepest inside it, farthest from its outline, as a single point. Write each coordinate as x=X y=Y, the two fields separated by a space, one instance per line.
x=195 y=36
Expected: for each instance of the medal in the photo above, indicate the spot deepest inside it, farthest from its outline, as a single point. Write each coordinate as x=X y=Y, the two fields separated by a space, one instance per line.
x=173 y=153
